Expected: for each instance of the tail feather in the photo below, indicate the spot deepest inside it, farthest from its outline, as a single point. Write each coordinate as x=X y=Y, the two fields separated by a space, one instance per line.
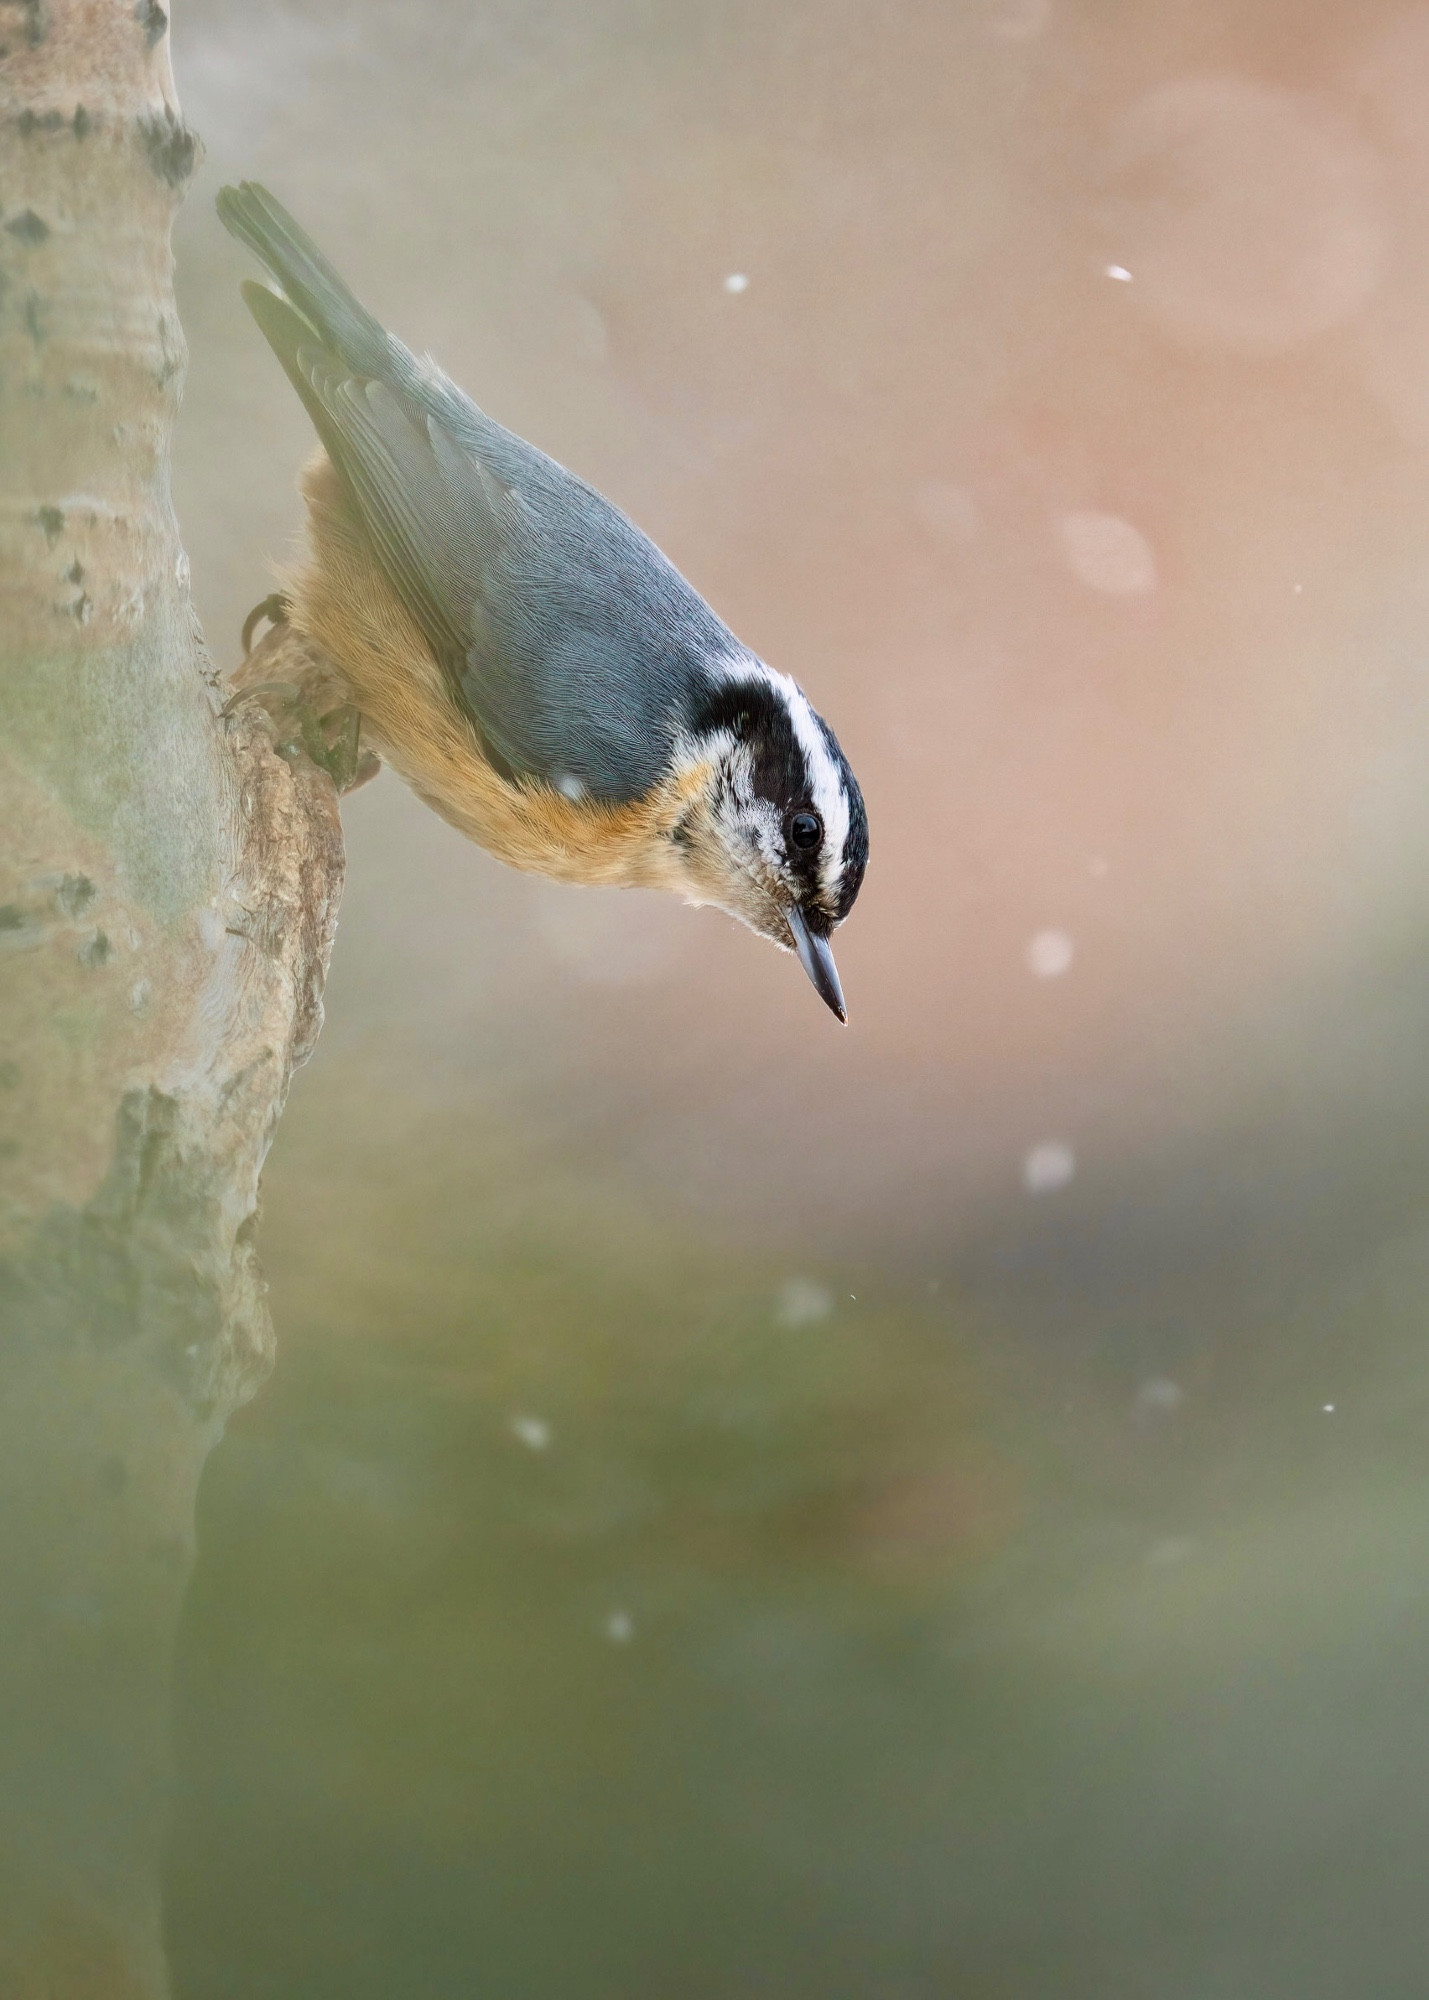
x=287 y=332
x=249 y=212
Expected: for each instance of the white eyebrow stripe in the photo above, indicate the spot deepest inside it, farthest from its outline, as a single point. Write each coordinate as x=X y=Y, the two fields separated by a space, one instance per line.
x=829 y=799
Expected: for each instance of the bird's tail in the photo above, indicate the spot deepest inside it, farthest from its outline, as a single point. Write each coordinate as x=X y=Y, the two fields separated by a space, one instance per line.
x=311 y=284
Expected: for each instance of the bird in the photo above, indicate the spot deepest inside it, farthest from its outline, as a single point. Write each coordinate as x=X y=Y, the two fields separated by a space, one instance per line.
x=525 y=658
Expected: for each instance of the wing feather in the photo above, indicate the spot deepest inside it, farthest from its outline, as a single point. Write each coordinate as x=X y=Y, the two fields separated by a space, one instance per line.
x=576 y=648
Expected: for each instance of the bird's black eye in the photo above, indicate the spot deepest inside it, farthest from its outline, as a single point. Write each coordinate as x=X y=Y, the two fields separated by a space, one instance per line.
x=806 y=830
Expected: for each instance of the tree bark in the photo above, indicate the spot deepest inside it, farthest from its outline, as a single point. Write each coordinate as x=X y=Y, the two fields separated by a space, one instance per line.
x=168 y=891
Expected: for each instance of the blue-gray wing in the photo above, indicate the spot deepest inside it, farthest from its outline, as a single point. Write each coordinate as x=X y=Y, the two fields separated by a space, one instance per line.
x=589 y=651
x=576 y=648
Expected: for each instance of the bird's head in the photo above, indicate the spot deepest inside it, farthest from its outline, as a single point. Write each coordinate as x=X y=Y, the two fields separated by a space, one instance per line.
x=778 y=835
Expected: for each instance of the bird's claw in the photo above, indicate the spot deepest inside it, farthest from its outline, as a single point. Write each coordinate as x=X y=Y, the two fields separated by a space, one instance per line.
x=332 y=741
x=274 y=608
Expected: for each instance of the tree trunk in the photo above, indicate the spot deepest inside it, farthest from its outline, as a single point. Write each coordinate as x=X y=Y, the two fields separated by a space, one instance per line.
x=168 y=890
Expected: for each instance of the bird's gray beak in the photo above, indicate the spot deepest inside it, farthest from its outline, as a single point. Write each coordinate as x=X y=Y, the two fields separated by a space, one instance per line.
x=817 y=960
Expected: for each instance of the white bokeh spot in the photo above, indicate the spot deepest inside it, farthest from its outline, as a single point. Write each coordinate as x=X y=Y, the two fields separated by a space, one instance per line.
x=1050 y=954
x=1107 y=553
x=803 y=1302
x=1159 y=1397
x=1048 y=1166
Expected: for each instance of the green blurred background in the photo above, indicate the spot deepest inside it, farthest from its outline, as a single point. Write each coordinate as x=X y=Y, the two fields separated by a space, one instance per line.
x=938 y=1509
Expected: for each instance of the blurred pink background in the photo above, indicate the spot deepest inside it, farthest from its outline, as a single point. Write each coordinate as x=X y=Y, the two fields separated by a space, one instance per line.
x=1000 y=1425
x=1068 y=440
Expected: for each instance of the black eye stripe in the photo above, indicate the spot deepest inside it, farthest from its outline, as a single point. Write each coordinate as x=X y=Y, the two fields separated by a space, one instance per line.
x=780 y=774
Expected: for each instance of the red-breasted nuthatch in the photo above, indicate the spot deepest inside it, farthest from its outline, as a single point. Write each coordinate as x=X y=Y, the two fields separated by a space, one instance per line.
x=524 y=657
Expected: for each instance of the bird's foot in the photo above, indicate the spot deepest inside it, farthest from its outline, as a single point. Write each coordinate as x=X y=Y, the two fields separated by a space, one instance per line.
x=332 y=741
x=303 y=700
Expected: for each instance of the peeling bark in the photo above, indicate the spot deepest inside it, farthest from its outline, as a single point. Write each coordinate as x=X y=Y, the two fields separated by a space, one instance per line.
x=168 y=892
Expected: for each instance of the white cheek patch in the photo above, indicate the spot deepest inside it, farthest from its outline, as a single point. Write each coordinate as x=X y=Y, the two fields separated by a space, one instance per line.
x=762 y=821
x=747 y=817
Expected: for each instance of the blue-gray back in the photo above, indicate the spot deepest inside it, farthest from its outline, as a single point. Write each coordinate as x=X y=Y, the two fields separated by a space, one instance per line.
x=577 y=648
